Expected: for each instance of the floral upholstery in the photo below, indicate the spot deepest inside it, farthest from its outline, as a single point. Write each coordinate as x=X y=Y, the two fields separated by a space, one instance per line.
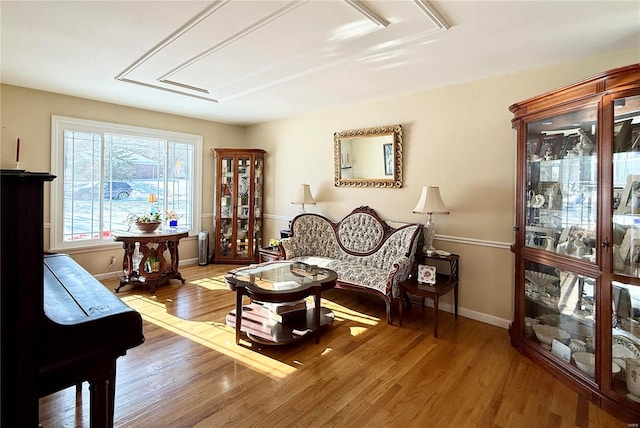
x=351 y=236
x=363 y=250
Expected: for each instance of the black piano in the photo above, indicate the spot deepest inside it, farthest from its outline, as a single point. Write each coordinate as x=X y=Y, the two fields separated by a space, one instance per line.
x=59 y=325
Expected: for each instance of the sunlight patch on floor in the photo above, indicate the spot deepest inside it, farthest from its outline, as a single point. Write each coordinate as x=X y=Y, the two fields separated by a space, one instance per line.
x=344 y=313
x=213 y=283
x=355 y=331
x=214 y=335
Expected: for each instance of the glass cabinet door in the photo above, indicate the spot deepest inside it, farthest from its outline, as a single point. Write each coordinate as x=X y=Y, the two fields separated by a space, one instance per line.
x=226 y=191
x=625 y=340
x=560 y=306
x=257 y=202
x=243 y=206
x=626 y=187
x=561 y=191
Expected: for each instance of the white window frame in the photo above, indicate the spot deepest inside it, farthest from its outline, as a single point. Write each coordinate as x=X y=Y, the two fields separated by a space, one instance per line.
x=58 y=126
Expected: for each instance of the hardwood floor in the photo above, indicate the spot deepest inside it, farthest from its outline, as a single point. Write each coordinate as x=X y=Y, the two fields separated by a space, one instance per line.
x=363 y=373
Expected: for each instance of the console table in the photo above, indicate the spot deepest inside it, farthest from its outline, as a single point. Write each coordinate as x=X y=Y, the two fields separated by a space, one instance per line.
x=152 y=268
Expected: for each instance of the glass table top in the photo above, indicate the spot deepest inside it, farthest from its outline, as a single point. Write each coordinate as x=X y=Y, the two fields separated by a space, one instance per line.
x=284 y=276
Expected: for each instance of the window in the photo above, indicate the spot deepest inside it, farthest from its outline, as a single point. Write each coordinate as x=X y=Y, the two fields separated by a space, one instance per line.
x=106 y=171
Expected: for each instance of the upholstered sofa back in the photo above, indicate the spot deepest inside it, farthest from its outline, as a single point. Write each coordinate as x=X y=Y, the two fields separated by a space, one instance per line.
x=360 y=237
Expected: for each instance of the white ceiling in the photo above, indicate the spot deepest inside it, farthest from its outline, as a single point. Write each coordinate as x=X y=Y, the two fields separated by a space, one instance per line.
x=251 y=61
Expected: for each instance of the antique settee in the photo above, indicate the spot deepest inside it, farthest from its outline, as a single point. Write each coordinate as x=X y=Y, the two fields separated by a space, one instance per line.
x=367 y=253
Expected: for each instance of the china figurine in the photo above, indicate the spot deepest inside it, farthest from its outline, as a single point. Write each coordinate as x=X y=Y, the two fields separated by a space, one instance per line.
x=632 y=367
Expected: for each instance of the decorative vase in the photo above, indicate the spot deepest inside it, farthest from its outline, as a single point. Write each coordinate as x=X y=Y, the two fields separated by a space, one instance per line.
x=550 y=244
x=173 y=223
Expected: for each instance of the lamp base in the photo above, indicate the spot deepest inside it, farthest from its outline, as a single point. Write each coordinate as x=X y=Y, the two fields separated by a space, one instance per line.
x=429 y=230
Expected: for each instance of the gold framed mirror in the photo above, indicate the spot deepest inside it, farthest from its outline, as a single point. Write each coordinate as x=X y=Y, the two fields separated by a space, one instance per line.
x=370 y=157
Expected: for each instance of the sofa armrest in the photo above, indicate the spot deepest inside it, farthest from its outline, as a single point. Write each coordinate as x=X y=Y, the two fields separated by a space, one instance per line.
x=289 y=248
x=400 y=271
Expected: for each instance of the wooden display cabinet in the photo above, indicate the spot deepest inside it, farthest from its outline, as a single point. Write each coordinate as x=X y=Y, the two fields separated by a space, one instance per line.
x=237 y=205
x=577 y=279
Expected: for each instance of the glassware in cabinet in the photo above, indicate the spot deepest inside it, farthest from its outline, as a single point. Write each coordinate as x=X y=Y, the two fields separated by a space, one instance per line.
x=559 y=314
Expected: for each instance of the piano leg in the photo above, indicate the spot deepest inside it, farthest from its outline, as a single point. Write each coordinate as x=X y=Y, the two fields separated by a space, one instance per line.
x=102 y=399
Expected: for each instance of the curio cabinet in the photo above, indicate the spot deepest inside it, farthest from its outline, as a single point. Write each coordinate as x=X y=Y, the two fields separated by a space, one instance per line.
x=577 y=240
x=237 y=205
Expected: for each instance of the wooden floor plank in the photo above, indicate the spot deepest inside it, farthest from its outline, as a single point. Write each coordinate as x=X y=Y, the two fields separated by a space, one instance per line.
x=364 y=372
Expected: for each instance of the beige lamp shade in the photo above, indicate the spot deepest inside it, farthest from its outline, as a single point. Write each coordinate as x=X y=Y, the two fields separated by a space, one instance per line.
x=430 y=203
x=303 y=196
x=152 y=198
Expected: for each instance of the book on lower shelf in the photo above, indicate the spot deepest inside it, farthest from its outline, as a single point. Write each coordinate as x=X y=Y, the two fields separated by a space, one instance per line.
x=254 y=322
x=282 y=312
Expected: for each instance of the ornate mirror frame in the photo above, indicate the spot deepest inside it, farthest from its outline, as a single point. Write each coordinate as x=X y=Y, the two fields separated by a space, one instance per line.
x=395 y=180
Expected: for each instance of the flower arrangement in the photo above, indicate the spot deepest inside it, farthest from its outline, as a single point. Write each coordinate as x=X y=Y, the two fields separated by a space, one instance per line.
x=171 y=215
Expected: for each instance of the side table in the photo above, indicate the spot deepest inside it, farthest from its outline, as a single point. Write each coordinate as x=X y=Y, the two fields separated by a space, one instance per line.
x=269 y=254
x=445 y=282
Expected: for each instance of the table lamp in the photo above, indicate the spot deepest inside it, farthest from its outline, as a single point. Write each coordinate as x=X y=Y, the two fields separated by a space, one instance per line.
x=303 y=197
x=153 y=200
x=430 y=203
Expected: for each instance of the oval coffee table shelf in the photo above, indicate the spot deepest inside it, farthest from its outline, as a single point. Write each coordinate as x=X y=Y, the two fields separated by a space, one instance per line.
x=260 y=328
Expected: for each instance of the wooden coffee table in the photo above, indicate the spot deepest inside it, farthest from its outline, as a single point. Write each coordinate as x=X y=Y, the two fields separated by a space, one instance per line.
x=279 y=282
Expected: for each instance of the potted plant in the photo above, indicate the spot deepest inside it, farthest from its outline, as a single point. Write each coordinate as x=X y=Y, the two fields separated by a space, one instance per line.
x=146 y=223
x=153 y=262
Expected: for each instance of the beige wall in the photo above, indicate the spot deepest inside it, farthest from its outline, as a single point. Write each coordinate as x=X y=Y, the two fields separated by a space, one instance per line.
x=458 y=137
x=26 y=113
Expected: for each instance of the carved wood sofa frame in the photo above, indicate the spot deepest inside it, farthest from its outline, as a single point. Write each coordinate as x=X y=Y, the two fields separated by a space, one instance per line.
x=368 y=254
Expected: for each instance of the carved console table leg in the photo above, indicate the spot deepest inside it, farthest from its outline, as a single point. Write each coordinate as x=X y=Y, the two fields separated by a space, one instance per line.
x=175 y=260
x=127 y=265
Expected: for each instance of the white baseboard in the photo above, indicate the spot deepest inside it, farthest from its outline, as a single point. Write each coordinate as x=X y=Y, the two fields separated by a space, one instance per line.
x=467 y=313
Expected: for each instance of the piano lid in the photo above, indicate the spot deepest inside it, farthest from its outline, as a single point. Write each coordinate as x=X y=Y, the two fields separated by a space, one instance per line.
x=82 y=316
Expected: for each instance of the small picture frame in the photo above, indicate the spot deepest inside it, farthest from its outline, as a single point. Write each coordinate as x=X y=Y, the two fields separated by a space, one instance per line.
x=622 y=136
x=552 y=146
x=388 y=158
x=569 y=145
x=630 y=200
x=426 y=274
x=617 y=197
x=533 y=148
